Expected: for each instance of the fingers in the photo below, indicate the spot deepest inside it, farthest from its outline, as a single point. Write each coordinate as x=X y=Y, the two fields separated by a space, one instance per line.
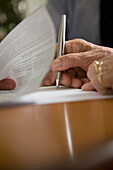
x=88 y=87
x=80 y=72
x=85 y=80
x=93 y=76
x=70 y=78
x=7 y=84
x=78 y=45
x=72 y=73
x=65 y=79
x=72 y=60
x=66 y=62
x=99 y=87
x=107 y=77
x=76 y=83
x=101 y=82
x=76 y=72
x=50 y=78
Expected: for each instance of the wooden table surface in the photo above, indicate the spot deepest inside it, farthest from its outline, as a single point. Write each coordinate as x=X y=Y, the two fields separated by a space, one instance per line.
x=40 y=136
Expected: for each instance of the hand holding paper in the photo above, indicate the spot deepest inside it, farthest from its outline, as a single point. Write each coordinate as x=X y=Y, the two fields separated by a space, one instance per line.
x=25 y=55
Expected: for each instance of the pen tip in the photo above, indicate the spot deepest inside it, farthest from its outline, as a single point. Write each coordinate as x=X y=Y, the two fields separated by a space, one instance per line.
x=57 y=83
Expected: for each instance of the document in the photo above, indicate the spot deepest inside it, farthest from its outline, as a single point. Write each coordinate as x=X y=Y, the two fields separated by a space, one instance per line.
x=26 y=54
x=49 y=95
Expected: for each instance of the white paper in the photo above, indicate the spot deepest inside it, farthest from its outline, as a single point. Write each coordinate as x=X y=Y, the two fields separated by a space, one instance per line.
x=26 y=53
x=49 y=95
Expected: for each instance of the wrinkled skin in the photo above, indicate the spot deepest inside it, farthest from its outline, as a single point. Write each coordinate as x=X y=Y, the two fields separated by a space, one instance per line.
x=107 y=76
x=77 y=67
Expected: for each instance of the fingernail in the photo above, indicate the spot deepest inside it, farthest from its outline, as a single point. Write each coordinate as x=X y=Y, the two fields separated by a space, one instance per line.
x=83 y=89
x=8 y=86
x=57 y=63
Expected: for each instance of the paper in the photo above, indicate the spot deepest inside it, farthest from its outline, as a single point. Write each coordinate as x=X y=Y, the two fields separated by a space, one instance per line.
x=49 y=95
x=26 y=53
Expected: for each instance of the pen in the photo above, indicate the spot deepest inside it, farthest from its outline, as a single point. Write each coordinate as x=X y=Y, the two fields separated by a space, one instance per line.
x=61 y=44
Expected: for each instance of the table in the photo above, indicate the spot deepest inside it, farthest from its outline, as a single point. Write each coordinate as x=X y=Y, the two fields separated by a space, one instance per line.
x=54 y=135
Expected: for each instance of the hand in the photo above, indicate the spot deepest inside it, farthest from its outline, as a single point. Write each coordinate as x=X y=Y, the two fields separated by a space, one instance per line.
x=7 y=84
x=79 y=54
x=106 y=87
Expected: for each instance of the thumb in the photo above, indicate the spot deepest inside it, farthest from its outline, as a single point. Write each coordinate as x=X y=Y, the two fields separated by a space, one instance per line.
x=83 y=60
x=7 y=84
x=88 y=87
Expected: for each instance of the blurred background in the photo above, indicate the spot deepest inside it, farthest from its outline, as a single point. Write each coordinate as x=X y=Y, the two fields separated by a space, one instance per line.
x=14 y=11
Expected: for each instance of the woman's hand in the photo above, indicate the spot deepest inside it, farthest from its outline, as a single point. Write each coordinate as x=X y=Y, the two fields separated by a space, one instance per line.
x=79 y=54
x=7 y=84
x=101 y=80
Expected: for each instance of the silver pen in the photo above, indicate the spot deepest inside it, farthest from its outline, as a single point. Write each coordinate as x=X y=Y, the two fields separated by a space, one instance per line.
x=61 y=44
